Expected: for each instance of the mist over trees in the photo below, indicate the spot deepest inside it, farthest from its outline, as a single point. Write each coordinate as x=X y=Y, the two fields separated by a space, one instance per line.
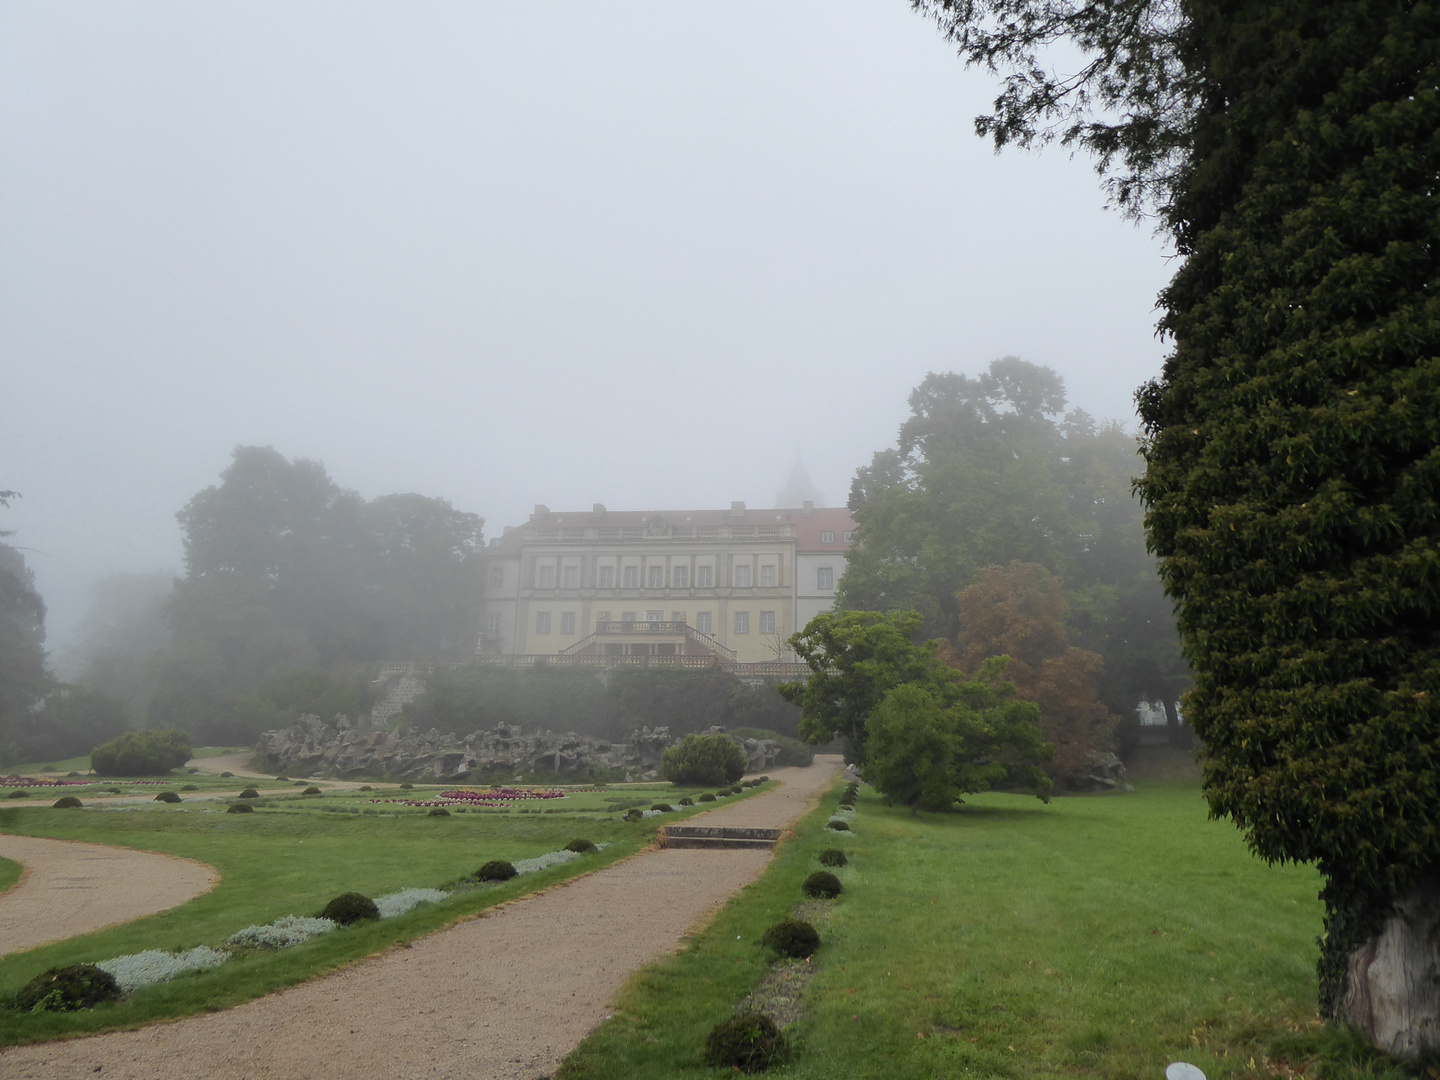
x=988 y=471
x=23 y=677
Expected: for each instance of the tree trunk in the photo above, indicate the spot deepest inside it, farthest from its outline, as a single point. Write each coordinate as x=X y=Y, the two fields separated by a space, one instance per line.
x=1392 y=981
x=1175 y=735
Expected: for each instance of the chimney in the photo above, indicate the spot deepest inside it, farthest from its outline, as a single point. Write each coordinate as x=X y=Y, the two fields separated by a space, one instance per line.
x=737 y=509
x=807 y=507
x=598 y=510
x=540 y=511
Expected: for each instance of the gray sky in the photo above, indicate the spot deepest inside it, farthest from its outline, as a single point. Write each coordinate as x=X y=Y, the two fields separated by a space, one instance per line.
x=643 y=254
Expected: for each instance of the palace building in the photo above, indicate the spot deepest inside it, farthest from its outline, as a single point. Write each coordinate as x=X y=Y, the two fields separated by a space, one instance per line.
x=685 y=588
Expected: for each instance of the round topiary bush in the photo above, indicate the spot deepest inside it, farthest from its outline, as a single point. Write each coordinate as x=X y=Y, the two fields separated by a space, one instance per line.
x=833 y=857
x=822 y=885
x=407 y=786
x=663 y=807
x=227 y=775
x=707 y=797
x=18 y=794
x=580 y=846
x=168 y=796
x=634 y=815
x=48 y=768
x=366 y=787
x=687 y=801
x=438 y=811
x=764 y=779
x=838 y=826
x=240 y=808
x=793 y=937
x=713 y=758
x=67 y=802
x=66 y=989
x=311 y=790
x=189 y=787
x=283 y=779
x=249 y=793
x=496 y=870
x=350 y=907
x=77 y=774
x=750 y=1042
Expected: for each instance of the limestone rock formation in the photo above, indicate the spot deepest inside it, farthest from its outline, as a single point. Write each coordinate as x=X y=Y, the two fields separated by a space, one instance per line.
x=314 y=747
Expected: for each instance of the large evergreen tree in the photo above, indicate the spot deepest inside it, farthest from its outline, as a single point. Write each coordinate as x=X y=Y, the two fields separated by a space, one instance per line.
x=1292 y=457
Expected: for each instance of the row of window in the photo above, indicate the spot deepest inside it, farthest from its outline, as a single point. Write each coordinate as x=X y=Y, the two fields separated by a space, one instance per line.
x=703 y=622
x=655 y=577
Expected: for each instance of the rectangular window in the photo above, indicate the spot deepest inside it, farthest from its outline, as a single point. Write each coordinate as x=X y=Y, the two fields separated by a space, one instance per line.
x=630 y=577
x=602 y=616
x=702 y=622
x=825 y=577
x=767 y=622
x=849 y=536
x=567 y=622
x=627 y=616
x=570 y=577
x=704 y=577
x=742 y=576
x=767 y=577
x=542 y=622
x=497 y=577
x=656 y=577
x=654 y=616
x=677 y=616
x=547 y=577
x=681 y=577
x=742 y=622
x=492 y=625
x=605 y=577
x=828 y=536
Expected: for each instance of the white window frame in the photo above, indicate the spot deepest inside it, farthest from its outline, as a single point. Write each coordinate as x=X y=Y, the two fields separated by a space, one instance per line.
x=704 y=577
x=570 y=577
x=825 y=578
x=849 y=536
x=767 y=576
x=742 y=622
x=702 y=622
x=655 y=577
x=492 y=624
x=630 y=577
x=497 y=577
x=545 y=577
x=680 y=577
x=567 y=622
x=742 y=575
x=605 y=577
x=827 y=536
x=542 y=622
x=767 y=622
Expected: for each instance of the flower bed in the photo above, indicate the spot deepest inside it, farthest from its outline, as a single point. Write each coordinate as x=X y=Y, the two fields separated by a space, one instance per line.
x=155 y=966
x=488 y=798
x=37 y=781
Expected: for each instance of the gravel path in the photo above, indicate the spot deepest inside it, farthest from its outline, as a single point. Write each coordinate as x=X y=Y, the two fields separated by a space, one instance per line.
x=72 y=888
x=506 y=995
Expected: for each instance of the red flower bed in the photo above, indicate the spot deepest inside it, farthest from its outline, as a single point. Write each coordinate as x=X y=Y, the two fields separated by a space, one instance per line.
x=504 y=794
x=33 y=781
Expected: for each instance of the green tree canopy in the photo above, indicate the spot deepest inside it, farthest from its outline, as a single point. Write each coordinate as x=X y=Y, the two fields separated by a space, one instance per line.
x=23 y=677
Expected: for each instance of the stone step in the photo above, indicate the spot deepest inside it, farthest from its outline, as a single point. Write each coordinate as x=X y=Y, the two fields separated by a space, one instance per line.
x=716 y=836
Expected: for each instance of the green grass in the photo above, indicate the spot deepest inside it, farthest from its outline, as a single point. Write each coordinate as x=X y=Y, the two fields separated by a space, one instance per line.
x=1094 y=937
x=9 y=874
x=289 y=858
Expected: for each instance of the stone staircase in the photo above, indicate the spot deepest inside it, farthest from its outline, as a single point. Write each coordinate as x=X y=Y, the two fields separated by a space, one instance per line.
x=716 y=836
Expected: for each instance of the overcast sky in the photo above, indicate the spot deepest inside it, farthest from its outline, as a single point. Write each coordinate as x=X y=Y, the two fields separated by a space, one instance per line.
x=645 y=254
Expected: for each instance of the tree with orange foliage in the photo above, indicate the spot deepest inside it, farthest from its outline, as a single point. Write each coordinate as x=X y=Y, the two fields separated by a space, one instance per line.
x=1018 y=611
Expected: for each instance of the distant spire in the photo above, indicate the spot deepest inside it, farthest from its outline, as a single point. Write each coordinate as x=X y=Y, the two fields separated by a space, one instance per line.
x=798 y=490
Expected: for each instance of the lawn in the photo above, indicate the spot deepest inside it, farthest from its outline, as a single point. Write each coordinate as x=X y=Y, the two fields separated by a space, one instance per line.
x=10 y=872
x=291 y=856
x=1097 y=936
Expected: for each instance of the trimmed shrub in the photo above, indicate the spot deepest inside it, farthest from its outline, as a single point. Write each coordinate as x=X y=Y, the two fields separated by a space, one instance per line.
x=48 y=768
x=663 y=807
x=407 y=786
x=833 y=857
x=580 y=846
x=66 y=989
x=18 y=793
x=687 y=801
x=249 y=793
x=67 y=802
x=283 y=779
x=77 y=774
x=793 y=937
x=311 y=790
x=438 y=811
x=227 y=775
x=240 y=808
x=192 y=772
x=168 y=796
x=366 y=787
x=822 y=885
x=764 y=779
x=350 y=907
x=704 y=759
x=838 y=826
x=141 y=753
x=634 y=815
x=706 y=797
x=190 y=787
x=496 y=870
x=750 y=1042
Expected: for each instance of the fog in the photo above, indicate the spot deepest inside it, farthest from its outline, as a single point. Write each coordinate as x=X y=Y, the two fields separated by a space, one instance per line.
x=645 y=254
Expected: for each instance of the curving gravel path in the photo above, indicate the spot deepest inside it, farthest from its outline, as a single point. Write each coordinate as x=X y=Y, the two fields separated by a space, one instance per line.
x=71 y=888
x=506 y=995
